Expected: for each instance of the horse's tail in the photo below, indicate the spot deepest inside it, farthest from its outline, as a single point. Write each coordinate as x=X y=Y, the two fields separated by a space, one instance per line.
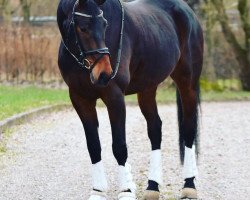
x=181 y=128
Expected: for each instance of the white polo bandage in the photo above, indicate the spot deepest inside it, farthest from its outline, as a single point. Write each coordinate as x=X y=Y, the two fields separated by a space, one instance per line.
x=155 y=169
x=99 y=177
x=125 y=179
x=190 y=168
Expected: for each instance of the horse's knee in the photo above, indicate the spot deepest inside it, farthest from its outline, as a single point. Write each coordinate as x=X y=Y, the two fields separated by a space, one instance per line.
x=120 y=152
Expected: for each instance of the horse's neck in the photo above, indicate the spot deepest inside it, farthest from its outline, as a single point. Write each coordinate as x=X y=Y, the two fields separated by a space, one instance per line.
x=113 y=13
x=112 y=8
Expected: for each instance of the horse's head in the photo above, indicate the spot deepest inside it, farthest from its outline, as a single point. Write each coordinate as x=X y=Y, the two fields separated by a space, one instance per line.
x=90 y=27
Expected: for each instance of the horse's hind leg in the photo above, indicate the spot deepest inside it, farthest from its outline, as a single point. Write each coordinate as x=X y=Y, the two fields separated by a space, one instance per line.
x=148 y=107
x=188 y=102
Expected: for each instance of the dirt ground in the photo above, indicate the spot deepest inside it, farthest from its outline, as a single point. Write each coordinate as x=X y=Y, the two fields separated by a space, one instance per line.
x=47 y=159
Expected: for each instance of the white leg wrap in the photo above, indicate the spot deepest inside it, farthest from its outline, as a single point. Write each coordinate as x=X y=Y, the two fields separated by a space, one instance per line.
x=155 y=170
x=99 y=177
x=125 y=179
x=98 y=196
x=190 y=168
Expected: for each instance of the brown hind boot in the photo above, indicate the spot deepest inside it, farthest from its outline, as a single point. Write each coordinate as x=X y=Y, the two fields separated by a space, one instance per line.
x=151 y=195
x=189 y=193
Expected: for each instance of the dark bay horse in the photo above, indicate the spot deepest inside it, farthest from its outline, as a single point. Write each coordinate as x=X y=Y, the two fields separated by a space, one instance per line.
x=110 y=49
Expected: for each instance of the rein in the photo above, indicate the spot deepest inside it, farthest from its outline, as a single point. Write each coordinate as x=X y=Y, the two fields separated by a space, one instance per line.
x=82 y=59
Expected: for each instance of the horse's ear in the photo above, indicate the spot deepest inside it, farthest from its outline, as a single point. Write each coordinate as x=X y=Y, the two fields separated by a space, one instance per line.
x=100 y=2
x=82 y=2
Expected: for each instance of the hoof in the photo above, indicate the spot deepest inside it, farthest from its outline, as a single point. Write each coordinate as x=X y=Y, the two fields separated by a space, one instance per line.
x=95 y=195
x=126 y=196
x=189 y=193
x=151 y=195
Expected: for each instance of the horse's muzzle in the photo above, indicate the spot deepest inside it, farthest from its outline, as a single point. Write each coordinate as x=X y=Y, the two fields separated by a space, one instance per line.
x=102 y=81
x=102 y=72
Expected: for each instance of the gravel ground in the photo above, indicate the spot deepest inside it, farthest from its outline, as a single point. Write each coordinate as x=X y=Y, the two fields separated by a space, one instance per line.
x=47 y=158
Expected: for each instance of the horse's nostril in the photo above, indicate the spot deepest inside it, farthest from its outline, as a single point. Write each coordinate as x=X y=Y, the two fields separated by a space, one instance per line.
x=104 y=78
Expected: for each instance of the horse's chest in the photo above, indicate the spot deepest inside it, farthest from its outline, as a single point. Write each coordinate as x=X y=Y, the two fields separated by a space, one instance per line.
x=79 y=82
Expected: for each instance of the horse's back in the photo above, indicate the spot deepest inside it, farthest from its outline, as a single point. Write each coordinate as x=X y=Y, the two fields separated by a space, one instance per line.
x=182 y=15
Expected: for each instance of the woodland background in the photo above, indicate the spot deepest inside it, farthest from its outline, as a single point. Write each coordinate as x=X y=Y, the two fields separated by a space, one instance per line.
x=30 y=39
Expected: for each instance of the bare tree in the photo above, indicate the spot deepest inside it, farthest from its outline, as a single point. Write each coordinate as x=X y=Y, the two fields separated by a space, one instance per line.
x=241 y=51
x=4 y=9
x=193 y=3
x=26 y=9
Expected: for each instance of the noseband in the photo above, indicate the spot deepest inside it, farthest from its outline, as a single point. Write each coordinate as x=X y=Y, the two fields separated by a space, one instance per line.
x=82 y=58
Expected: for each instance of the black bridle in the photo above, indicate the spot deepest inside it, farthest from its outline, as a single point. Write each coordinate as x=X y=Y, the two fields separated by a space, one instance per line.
x=82 y=58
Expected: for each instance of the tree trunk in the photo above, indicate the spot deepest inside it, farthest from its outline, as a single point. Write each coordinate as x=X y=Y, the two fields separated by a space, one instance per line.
x=5 y=11
x=26 y=14
x=245 y=74
x=242 y=53
x=26 y=10
x=243 y=7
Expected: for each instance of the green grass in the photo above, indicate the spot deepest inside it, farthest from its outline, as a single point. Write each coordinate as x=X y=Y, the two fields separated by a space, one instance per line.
x=165 y=96
x=15 y=100
x=6 y=134
x=225 y=96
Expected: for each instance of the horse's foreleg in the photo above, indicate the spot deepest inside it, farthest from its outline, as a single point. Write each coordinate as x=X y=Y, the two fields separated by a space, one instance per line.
x=117 y=114
x=87 y=113
x=148 y=107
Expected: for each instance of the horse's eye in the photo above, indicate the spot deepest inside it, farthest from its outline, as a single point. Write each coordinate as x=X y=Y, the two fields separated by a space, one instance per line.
x=83 y=29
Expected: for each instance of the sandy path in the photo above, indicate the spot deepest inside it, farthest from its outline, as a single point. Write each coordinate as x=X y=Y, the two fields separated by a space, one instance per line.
x=47 y=158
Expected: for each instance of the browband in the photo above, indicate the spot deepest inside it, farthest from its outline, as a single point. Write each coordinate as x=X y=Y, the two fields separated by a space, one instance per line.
x=89 y=16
